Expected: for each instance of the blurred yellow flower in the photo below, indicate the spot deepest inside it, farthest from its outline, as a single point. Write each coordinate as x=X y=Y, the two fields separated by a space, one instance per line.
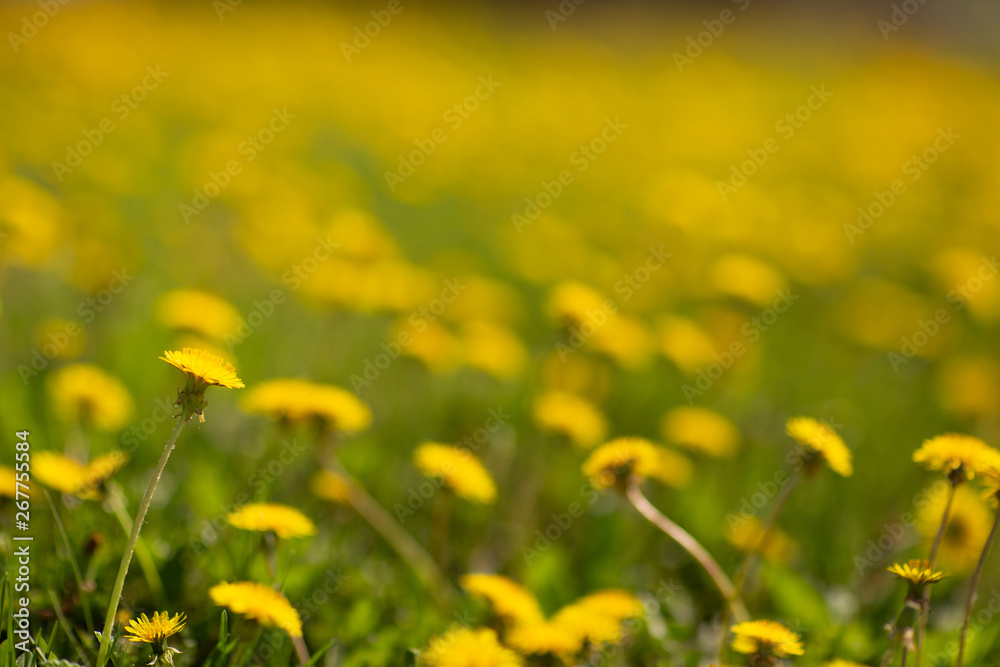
x=60 y=339
x=624 y=339
x=969 y=523
x=8 y=482
x=493 y=349
x=458 y=469
x=702 y=430
x=68 y=476
x=615 y=461
x=300 y=400
x=842 y=663
x=745 y=535
x=509 y=600
x=544 y=638
x=284 y=521
x=747 y=278
x=331 y=486
x=570 y=415
x=204 y=368
x=970 y=387
x=588 y=624
x=463 y=647
x=817 y=437
x=572 y=303
x=197 y=311
x=957 y=453
x=257 y=601
x=685 y=344
x=613 y=602
x=766 y=637
x=86 y=394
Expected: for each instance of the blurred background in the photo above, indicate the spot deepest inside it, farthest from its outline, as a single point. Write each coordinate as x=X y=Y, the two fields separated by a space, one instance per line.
x=599 y=199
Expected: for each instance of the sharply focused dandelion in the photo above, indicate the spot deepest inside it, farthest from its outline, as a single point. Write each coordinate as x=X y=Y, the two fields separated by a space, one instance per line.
x=765 y=641
x=918 y=574
x=462 y=647
x=155 y=631
x=259 y=602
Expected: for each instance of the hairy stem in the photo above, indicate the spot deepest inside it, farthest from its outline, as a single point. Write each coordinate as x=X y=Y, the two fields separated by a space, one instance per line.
x=971 y=600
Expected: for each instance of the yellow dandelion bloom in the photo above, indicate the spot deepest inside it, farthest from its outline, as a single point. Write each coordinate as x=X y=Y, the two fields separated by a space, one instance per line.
x=197 y=311
x=625 y=340
x=463 y=647
x=613 y=602
x=84 y=393
x=284 y=521
x=8 y=482
x=68 y=476
x=766 y=637
x=300 y=400
x=493 y=349
x=842 y=663
x=614 y=461
x=257 y=601
x=544 y=638
x=969 y=524
x=570 y=415
x=458 y=469
x=60 y=339
x=957 y=453
x=331 y=486
x=745 y=535
x=746 y=278
x=917 y=573
x=572 y=302
x=685 y=344
x=824 y=441
x=588 y=624
x=204 y=368
x=156 y=629
x=510 y=600
x=701 y=430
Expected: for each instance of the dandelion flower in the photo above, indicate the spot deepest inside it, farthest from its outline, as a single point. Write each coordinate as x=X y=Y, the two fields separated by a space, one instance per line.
x=686 y=344
x=615 y=461
x=509 y=599
x=917 y=573
x=297 y=400
x=155 y=631
x=8 y=482
x=197 y=311
x=766 y=637
x=69 y=476
x=544 y=638
x=262 y=603
x=745 y=534
x=86 y=394
x=613 y=602
x=842 y=663
x=819 y=438
x=284 y=521
x=463 y=647
x=701 y=430
x=570 y=302
x=570 y=415
x=458 y=469
x=331 y=486
x=588 y=624
x=957 y=454
x=202 y=369
x=493 y=349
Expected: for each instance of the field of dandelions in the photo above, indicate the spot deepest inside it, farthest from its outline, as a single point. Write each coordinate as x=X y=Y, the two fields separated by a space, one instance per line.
x=498 y=336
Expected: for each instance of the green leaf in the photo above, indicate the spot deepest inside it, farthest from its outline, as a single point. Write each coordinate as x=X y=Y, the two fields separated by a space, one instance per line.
x=320 y=653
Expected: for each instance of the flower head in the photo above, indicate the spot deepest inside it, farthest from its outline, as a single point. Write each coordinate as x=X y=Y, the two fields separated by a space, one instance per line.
x=464 y=647
x=86 y=394
x=458 y=469
x=155 y=631
x=701 y=430
x=296 y=400
x=842 y=663
x=568 y=414
x=613 y=463
x=918 y=574
x=822 y=441
x=197 y=311
x=509 y=599
x=69 y=476
x=202 y=369
x=260 y=602
x=767 y=638
x=544 y=638
x=745 y=534
x=613 y=602
x=589 y=624
x=331 y=486
x=958 y=455
x=284 y=521
x=969 y=523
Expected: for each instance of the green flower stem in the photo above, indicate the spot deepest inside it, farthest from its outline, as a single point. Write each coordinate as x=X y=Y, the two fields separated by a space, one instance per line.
x=932 y=559
x=84 y=598
x=971 y=600
x=142 y=552
x=693 y=547
x=116 y=592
